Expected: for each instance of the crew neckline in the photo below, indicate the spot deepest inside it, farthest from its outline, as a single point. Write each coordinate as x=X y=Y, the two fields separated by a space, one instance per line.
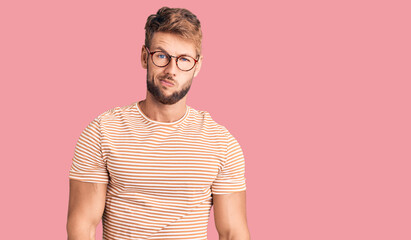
x=162 y=123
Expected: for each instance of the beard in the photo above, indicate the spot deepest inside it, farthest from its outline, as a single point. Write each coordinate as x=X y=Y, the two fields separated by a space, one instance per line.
x=174 y=97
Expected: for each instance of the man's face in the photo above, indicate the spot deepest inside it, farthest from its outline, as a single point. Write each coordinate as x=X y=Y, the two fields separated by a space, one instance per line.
x=156 y=76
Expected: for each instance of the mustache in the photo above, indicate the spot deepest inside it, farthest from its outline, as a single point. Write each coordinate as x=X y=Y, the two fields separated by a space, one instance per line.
x=168 y=78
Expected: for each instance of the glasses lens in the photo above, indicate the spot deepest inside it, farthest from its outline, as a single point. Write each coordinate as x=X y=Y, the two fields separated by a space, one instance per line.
x=160 y=59
x=185 y=63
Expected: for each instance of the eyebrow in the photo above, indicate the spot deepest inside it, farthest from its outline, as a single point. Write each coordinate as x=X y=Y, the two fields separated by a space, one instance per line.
x=163 y=50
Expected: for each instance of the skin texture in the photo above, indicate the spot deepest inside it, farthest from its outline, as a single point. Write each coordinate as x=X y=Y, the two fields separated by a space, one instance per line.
x=230 y=216
x=163 y=104
x=86 y=207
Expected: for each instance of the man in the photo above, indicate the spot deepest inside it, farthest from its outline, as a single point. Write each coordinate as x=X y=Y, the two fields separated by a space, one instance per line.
x=154 y=168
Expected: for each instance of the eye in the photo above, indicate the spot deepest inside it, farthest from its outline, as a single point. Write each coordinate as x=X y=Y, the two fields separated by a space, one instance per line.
x=161 y=56
x=185 y=59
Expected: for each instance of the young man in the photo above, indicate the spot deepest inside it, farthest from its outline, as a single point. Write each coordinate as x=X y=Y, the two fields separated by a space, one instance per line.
x=154 y=168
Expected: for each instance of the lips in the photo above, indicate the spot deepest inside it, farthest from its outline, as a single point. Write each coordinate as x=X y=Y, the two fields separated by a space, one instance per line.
x=167 y=82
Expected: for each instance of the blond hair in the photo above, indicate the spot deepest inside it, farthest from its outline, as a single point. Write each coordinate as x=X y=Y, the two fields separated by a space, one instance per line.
x=179 y=21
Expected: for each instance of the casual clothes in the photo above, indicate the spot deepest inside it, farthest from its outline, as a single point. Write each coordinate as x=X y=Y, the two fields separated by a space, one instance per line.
x=160 y=176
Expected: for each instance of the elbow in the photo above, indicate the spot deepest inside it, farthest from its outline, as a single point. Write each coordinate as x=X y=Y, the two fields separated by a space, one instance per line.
x=78 y=230
x=235 y=235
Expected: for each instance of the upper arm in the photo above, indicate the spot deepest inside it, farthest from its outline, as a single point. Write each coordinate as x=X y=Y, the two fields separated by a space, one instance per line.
x=229 y=195
x=230 y=215
x=88 y=184
x=86 y=203
x=231 y=175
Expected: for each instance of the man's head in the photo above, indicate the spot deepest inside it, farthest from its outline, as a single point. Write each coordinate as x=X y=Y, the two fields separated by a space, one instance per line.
x=173 y=42
x=178 y=21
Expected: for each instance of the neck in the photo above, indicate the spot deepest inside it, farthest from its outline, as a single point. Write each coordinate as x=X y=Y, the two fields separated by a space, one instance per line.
x=163 y=112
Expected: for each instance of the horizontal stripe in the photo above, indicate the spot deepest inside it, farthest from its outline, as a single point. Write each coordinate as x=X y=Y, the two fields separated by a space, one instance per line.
x=161 y=176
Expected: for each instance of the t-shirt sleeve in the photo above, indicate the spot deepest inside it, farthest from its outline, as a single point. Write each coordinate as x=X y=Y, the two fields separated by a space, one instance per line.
x=231 y=177
x=88 y=164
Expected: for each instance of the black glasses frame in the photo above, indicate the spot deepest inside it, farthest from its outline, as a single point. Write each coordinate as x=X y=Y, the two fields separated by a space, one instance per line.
x=169 y=59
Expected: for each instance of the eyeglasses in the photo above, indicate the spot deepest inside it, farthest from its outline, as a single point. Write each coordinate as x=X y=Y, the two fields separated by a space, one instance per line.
x=162 y=59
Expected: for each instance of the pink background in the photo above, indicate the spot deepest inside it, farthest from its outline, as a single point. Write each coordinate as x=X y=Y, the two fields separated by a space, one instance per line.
x=316 y=92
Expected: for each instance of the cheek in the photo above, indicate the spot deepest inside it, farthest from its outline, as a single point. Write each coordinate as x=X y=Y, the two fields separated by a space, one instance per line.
x=186 y=78
x=152 y=73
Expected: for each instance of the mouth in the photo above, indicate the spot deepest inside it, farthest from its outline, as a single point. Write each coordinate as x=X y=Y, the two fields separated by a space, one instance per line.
x=164 y=82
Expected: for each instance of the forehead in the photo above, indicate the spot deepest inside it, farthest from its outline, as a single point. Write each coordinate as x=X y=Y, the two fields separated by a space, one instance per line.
x=173 y=44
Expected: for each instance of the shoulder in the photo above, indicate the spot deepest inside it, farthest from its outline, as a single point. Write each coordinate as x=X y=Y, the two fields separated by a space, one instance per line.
x=209 y=123
x=220 y=131
x=116 y=113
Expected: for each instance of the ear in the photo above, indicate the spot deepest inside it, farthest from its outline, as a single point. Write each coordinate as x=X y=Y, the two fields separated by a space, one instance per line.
x=198 y=66
x=144 y=55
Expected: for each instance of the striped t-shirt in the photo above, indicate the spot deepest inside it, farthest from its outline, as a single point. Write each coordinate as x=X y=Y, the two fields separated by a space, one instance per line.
x=161 y=176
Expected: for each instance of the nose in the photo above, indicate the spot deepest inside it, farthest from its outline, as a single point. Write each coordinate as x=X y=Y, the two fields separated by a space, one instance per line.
x=171 y=68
